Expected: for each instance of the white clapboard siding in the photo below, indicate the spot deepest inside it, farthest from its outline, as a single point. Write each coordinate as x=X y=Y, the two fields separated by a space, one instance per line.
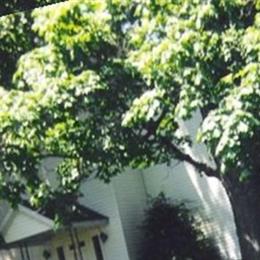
x=180 y=181
x=101 y=197
x=132 y=201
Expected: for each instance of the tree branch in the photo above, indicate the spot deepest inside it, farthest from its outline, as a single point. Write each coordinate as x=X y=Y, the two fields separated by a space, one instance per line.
x=180 y=155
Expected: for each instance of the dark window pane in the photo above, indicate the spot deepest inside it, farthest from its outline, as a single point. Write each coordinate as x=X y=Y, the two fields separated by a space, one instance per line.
x=60 y=253
x=97 y=247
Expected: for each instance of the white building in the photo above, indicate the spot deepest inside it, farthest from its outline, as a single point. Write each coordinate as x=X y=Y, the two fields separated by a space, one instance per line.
x=115 y=228
x=106 y=226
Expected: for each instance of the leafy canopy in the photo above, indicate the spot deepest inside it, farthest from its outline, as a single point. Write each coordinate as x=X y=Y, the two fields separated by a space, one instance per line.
x=103 y=85
x=11 y=6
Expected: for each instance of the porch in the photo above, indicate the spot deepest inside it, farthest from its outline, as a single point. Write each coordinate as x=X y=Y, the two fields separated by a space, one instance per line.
x=31 y=234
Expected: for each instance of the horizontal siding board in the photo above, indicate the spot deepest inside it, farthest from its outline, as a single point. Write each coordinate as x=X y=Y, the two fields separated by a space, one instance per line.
x=132 y=200
x=101 y=197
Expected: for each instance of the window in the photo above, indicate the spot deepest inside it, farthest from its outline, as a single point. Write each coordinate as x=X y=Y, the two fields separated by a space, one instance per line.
x=60 y=253
x=97 y=247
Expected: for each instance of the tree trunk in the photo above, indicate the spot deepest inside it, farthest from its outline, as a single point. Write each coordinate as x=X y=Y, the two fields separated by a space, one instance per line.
x=245 y=200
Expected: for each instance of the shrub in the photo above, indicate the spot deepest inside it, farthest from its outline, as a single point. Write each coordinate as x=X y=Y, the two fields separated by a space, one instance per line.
x=171 y=232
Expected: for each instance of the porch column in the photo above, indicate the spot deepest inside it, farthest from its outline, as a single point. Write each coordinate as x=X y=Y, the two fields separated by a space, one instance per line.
x=79 y=244
x=21 y=252
x=27 y=252
x=73 y=243
x=24 y=252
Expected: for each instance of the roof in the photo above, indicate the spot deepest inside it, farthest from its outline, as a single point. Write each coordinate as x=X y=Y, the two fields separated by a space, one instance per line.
x=73 y=213
x=77 y=215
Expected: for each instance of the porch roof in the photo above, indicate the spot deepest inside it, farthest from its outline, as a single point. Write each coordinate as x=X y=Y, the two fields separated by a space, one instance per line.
x=74 y=214
x=40 y=224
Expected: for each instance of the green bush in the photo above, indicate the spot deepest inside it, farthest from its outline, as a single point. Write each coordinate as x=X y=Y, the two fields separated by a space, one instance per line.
x=171 y=232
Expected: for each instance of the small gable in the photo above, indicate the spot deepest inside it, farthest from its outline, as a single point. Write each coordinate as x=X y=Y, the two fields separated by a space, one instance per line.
x=24 y=223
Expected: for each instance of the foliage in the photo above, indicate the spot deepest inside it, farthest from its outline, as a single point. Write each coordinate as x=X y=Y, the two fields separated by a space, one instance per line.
x=171 y=232
x=108 y=93
x=11 y=6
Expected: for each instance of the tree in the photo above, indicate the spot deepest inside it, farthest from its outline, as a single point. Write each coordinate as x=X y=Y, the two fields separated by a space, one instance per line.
x=108 y=93
x=11 y=6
